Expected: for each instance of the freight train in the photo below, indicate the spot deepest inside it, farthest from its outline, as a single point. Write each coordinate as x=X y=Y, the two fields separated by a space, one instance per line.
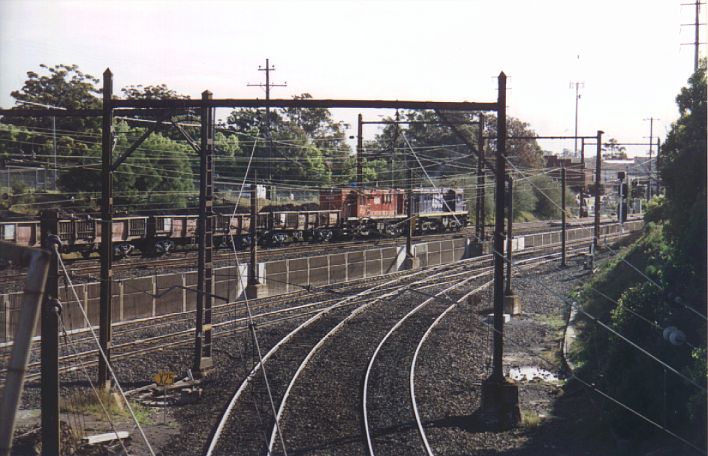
x=344 y=213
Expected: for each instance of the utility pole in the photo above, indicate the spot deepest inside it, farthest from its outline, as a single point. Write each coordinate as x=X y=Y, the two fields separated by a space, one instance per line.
x=651 y=144
x=268 y=68
x=697 y=29
x=577 y=86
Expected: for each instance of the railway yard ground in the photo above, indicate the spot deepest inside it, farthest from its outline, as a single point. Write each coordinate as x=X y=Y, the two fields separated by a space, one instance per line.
x=319 y=372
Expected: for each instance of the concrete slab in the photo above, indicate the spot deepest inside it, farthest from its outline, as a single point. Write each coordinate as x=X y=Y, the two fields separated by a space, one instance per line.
x=277 y=282
x=297 y=278
x=319 y=261
x=373 y=268
x=338 y=259
x=319 y=276
x=338 y=274
x=447 y=256
x=433 y=258
x=355 y=270
x=276 y=267
x=374 y=254
x=298 y=264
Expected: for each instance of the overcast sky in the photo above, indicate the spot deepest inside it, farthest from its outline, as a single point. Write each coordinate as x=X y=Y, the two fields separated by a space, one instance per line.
x=627 y=53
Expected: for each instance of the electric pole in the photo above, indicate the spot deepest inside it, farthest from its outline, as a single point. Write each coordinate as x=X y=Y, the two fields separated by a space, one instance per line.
x=651 y=145
x=269 y=137
x=578 y=86
x=696 y=24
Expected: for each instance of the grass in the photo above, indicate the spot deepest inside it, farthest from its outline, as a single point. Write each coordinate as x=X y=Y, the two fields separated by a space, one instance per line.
x=530 y=419
x=91 y=404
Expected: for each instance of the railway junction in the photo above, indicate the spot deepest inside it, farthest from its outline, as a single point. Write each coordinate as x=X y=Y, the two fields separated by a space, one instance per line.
x=453 y=342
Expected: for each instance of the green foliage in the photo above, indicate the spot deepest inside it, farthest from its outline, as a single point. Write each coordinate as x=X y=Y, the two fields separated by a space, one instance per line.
x=524 y=198
x=305 y=146
x=642 y=310
x=683 y=171
x=65 y=86
x=654 y=211
x=440 y=150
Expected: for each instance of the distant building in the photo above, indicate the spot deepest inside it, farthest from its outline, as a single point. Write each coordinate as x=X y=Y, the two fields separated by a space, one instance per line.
x=641 y=170
x=576 y=177
x=636 y=169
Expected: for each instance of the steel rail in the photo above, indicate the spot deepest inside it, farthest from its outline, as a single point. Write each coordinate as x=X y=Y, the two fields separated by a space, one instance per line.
x=416 y=413
x=334 y=330
x=216 y=434
x=400 y=322
x=421 y=429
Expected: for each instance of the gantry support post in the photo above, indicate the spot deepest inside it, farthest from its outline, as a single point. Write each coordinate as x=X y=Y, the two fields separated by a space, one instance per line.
x=479 y=222
x=509 y=232
x=253 y=280
x=51 y=445
x=497 y=370
x=563 y=227
x=500 y=399
x=410 y=260
x=598 y=177
x=359 y=151
x=583 y=208
x=105 y=313
x=512 y=301
x=33 y=300
x=205 y=272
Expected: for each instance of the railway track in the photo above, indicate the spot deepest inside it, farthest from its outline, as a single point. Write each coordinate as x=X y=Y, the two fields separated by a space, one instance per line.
x=317 y=407
x=176 y=329
x=138 y=336
x=90 y=268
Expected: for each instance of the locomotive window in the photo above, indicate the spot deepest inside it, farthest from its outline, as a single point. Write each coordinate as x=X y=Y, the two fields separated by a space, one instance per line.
x=9 y=232
x=167 y=224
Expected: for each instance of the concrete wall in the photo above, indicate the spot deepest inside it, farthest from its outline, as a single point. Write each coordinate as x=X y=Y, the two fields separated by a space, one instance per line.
x=165 y=294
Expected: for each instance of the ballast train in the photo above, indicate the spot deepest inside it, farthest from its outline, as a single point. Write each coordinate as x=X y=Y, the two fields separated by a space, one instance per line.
x=343 y=213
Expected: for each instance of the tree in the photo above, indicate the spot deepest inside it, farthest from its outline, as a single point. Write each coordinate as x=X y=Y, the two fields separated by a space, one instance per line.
x=670 y=291
x=298 y=146
x=441 y=151
x=66 y=86
x=682 y=167
x=151 y=92
x=614 y=151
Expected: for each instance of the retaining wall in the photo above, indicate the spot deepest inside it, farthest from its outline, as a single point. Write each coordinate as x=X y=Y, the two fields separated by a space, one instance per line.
x=165 y=294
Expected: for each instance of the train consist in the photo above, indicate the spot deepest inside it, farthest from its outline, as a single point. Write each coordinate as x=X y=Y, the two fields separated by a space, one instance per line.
x=343 y=213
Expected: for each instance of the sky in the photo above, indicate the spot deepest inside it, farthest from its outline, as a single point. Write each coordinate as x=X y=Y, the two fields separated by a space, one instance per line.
x=627 y=54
